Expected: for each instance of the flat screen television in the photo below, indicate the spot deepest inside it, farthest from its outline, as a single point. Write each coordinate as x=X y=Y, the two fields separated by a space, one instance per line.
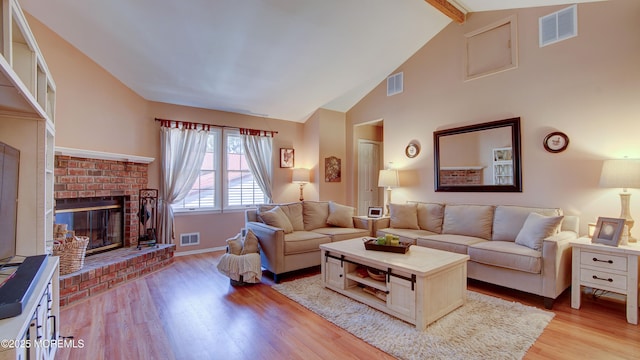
x=9 y=169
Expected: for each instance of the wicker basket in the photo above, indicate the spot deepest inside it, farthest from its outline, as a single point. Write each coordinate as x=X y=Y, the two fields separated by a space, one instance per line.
x=71 y=253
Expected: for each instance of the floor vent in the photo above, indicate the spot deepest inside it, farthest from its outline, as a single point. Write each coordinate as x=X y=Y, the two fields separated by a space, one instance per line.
x=558 y=26
x=189 y=239
x=394 y=84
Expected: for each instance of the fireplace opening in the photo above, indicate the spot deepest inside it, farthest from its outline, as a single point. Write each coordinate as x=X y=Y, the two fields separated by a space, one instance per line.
x=101 y=219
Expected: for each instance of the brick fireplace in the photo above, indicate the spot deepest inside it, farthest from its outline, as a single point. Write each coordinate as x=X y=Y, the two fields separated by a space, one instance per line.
x=80 y=178
x=77 y=178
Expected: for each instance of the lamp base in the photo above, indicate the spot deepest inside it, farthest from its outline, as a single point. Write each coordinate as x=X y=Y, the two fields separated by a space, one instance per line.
x=301 y=192
x=625 y=213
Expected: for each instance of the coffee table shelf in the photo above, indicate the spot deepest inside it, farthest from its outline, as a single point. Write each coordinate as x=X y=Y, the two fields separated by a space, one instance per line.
x=421 y=286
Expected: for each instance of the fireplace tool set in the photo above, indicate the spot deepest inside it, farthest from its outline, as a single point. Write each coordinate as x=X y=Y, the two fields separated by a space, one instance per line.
x=148 y=215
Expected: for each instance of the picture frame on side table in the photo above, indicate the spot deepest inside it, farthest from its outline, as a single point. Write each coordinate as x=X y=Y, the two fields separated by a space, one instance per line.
x=287 y=158
x=608 y=231
x=375 y=212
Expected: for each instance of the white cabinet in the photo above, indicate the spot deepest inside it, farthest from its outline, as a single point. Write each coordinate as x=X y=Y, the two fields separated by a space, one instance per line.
x=335 y=274
x=608 y=268
x=34 y=333
x=27 y=111
x=503 y=166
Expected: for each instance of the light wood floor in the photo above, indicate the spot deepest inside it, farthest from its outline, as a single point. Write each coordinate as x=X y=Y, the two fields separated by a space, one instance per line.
x=189 y=311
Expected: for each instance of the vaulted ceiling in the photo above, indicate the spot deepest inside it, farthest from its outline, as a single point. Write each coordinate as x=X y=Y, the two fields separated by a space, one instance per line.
x=271 y=58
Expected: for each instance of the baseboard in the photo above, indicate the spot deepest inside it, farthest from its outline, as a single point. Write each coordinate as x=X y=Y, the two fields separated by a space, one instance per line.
x=199 y=251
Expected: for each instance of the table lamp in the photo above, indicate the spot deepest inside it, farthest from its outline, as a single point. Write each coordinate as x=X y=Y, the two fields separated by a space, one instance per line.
x=300 y=176
x=625 y=174
x=389 y=179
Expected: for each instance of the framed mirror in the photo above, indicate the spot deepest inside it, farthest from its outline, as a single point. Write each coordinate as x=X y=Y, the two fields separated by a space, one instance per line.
x=479 y=158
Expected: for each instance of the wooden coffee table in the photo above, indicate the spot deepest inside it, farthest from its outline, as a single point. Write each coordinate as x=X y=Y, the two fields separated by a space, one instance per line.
x=419 y=287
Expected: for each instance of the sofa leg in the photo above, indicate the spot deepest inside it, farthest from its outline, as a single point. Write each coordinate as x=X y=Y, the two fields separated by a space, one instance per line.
x=548 y=303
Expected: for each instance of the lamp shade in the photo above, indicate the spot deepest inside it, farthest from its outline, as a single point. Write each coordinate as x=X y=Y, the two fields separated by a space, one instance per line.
x=300 y=176
x=620 y=173
x=388 y=178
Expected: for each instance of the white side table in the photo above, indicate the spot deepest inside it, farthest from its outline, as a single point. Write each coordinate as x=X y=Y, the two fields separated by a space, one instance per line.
x=607 y=268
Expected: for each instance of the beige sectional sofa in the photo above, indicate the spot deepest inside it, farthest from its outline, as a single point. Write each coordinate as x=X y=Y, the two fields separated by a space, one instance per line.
x=524 y=248
x=290 y=234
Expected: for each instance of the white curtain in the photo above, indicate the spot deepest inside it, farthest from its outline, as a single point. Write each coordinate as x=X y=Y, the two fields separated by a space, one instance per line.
x=258 y=151
x=182 y=152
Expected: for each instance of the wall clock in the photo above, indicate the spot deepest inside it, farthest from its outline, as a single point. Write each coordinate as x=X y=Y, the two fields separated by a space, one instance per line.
x=412 y=150
x=556 y=142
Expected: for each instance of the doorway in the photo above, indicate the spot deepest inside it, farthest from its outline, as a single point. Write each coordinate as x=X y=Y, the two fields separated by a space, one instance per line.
x=370 y=150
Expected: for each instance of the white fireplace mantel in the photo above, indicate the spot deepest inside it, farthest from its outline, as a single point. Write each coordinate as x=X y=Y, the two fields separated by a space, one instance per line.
x=100 y=155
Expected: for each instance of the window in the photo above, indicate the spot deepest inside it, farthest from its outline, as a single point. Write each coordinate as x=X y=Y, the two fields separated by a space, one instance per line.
x=241 y=189
x=224 y=171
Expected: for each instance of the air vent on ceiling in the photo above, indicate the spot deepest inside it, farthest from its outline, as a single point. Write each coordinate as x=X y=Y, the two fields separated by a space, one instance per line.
x=189 y=239
x=558 y=26
x=394 y=84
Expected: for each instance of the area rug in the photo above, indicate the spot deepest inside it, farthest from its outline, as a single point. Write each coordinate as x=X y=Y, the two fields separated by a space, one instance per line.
x=484 y=328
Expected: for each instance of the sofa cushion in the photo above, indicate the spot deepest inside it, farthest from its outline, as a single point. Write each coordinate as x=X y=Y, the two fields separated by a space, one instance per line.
x=536 y=228
x=293 y=212
x=315 y=214
x=449 y=242
x=340 y=215
x=469 y=220
x=250 y=243
x=235 y=244
x=404 y=216
x=509 y=219
x=304 y=241
x=277 y=218
x=430 y=216
x=506 y=254
x=342 y=233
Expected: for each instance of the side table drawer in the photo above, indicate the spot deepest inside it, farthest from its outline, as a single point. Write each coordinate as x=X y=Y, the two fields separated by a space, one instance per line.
x=605 y=261
x=603 y=279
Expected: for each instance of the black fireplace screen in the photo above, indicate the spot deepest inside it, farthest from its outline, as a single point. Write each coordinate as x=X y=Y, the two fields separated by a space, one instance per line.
x=101 y=219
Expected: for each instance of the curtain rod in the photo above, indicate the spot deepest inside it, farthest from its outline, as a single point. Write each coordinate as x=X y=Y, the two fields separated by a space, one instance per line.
x=207 y=127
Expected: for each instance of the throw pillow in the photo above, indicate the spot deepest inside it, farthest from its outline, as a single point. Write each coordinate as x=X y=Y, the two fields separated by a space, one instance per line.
x=315 y=214
x=404 y=216
x=235 y=244
x=277 y=218
x=250 y=244
x=340 y=215
x=430 y=216
x=536 y=228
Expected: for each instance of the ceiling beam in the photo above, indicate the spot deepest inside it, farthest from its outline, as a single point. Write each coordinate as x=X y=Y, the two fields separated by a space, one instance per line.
x=448 y=9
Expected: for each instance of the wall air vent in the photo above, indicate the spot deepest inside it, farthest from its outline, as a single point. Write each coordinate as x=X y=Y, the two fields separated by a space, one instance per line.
x=558 y=26
x=394 y=84
x=189 y=239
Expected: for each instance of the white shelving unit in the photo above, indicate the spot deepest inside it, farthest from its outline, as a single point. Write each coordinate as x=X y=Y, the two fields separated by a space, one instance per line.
x=503 y=166
x=27 y=123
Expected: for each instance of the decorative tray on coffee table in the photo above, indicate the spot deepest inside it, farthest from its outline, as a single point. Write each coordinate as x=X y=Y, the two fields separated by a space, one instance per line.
x=370 y=244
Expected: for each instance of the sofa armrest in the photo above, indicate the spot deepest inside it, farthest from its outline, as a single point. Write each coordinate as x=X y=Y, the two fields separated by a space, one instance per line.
x=556 y=263
x=271 y=241
x=361 y=222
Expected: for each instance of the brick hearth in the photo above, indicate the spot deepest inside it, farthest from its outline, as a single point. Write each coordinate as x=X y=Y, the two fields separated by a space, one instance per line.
x=103 y=271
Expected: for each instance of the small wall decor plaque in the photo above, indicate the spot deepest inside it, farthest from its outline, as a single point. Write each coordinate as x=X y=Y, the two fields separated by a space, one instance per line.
x=332 y=169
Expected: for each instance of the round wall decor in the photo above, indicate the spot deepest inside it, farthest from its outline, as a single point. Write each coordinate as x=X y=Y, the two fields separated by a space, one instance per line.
x=556 y=142
x=412 y=150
